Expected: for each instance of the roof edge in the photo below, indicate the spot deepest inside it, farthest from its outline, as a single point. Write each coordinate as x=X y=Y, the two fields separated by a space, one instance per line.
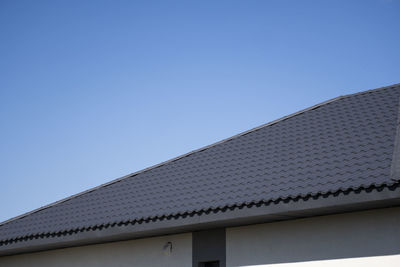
x=395 y=164
x=197 y=150
x=350 y=201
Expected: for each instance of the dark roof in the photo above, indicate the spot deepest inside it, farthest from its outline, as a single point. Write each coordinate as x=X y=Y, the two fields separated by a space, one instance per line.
x=346 y=143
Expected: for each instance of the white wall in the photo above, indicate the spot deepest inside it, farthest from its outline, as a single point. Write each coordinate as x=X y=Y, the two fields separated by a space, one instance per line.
x=146 y=252
x=335 y=240
x=379 y=261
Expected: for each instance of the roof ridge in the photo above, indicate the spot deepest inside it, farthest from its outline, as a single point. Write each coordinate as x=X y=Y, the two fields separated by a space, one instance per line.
x=195 y=151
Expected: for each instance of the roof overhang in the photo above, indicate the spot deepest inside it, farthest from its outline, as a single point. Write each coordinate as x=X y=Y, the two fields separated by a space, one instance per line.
x=352 y=200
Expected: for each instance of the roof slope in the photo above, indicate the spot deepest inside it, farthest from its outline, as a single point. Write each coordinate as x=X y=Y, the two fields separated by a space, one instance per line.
x=343 y=144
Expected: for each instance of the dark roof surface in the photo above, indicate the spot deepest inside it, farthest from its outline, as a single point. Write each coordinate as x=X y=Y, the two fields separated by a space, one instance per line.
x=347 y=143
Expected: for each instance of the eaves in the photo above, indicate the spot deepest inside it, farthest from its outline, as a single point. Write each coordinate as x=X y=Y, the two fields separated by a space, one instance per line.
x=251 y=213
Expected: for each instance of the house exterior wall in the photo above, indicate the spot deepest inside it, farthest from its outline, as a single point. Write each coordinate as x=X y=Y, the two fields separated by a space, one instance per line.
x=351 y=239
x=369 y=238
x=141 y=252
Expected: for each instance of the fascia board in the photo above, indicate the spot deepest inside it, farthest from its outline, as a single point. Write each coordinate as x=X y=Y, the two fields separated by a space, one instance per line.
x=284 y=210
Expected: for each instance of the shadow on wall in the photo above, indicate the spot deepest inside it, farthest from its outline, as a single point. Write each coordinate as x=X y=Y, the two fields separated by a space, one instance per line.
x=344 y=236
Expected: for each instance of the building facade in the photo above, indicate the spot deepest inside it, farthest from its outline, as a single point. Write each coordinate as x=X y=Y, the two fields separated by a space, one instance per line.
x=320 y=187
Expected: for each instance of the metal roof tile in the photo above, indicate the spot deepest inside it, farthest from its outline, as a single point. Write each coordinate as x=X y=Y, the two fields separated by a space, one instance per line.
x=346 y=143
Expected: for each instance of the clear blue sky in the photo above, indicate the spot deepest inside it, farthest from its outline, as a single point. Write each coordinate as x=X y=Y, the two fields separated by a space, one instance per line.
x=94 y=90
